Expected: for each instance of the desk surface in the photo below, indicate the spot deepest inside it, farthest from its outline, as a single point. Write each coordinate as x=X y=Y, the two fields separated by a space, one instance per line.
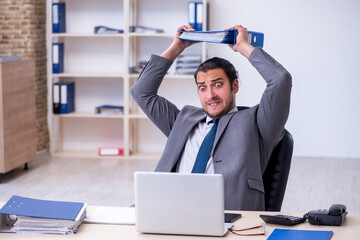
x=349 y=230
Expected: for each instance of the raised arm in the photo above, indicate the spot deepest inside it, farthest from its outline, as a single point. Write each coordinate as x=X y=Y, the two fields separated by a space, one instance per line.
x=275 y=102
x=161 y=112
x=178 y=45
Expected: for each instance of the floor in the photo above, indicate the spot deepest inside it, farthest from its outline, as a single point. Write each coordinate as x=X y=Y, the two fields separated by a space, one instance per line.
x=314 y=183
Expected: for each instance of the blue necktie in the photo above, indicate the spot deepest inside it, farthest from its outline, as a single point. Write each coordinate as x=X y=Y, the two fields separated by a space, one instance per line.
x=205 y=149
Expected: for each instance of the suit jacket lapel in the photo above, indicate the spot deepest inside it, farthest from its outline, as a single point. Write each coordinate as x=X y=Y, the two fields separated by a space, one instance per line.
x=224 y=121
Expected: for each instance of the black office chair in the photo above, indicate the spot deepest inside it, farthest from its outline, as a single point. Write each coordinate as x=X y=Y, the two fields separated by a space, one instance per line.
x=277 y=172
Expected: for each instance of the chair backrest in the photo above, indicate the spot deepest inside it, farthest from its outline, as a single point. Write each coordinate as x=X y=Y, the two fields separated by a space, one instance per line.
x=277 y=172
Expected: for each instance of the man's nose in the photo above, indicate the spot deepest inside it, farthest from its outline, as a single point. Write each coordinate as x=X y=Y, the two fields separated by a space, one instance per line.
x=211 y=93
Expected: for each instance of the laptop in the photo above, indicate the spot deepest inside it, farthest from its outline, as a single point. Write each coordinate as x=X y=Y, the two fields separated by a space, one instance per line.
x=177 y=203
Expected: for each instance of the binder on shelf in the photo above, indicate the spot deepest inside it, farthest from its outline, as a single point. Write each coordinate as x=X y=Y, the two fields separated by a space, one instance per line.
x=43 y=216
x=111 y=151
x=196 y=15
x=58 y=57
x=58 y=17
x=56 y=98
x=225 y=37
x=199 y=16
x=191 y=14
x=67 y=97
x=109 y=110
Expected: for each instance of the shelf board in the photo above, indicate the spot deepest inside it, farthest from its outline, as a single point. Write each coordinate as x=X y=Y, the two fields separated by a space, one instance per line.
x=138 y=116
x=90 y=35
x=88 y=115
x=149 y=34
x=171 y=76
x=81 y=154
x=114 y=75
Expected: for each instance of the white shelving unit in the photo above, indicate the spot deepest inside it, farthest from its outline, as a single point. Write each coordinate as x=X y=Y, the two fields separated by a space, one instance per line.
x=99 y=66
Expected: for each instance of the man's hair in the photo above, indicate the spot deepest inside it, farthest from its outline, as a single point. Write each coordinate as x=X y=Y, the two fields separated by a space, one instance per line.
x=217 y=62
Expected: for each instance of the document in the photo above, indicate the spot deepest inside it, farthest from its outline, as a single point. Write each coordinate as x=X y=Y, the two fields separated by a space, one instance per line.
x=256 y=39
x=299 y=234
x=112 y=215
x=28 y=215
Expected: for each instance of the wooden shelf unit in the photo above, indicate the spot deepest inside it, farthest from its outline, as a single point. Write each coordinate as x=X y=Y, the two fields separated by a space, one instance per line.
x=127 y=47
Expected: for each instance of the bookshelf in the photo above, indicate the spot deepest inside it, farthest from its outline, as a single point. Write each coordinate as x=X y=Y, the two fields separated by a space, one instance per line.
x=99 y=66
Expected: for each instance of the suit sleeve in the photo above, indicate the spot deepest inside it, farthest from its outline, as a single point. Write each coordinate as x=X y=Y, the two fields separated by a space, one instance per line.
x=274 y=106
x=145 y=92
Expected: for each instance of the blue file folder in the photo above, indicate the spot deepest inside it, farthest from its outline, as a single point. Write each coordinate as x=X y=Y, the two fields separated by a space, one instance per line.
x=30 y=207
x=58 y=17
x=67 y=97
x=225 y=37
x=290 y=234
x=58 y=57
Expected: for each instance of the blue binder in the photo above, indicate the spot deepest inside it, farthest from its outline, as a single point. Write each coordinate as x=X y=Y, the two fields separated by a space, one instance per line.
x=56 y=98
x=58 y=17
x=58 y=57
x=192 y=14
x=30 y=207
x=290 y=234
x=67 y=97
x=199 y=16
x=225 y=37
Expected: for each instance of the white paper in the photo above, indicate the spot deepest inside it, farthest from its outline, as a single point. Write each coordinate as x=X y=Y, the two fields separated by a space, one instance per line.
x=112 y=215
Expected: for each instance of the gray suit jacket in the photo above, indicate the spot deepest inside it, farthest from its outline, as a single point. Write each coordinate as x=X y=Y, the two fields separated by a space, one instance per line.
x=244 y=139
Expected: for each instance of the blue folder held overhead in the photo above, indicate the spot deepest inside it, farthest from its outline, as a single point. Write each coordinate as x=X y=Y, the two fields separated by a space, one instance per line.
x=225 y=37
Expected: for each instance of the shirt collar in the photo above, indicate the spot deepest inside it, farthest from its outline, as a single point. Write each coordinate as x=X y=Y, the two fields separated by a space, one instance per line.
x=208 y=119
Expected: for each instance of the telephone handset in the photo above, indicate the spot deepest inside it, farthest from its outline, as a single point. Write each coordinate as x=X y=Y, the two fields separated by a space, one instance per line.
x=334 y=216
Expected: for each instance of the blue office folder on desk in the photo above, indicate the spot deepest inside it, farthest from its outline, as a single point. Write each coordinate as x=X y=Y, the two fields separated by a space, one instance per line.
x=29 y=207
x=290 y=234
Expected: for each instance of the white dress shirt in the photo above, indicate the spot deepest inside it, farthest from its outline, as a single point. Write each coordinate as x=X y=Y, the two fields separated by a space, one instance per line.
x=193 y=144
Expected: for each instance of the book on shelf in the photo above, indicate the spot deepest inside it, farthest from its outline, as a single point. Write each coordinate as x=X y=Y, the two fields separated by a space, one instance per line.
x=56 y=98
x=63 y=97
x=196 y=15
x=67 y=97
x=225 y=37
x=106 y=30
x=58 y=57
x=286 y=234
x=59 y=17
x=29 y=215
x=109 y=110
x=145 y=29
x=111 y=151
x=187 y=64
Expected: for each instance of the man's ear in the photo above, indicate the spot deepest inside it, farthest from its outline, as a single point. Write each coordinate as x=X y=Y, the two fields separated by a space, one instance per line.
x=235 y=86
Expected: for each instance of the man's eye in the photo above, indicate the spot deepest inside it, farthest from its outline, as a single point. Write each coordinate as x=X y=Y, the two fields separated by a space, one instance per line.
x=201 y=88
x=218 y=84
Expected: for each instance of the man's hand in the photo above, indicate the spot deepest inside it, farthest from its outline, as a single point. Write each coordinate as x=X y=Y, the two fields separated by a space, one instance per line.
x=242 y=45
x=178 y=45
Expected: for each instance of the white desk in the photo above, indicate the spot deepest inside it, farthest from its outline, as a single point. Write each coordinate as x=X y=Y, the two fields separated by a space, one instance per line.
x=349 y=230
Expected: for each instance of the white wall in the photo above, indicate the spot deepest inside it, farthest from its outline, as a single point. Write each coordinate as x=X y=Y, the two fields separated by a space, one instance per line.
x=319 y=43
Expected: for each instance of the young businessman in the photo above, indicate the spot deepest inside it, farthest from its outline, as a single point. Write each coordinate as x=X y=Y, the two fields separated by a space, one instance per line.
x=244 y=139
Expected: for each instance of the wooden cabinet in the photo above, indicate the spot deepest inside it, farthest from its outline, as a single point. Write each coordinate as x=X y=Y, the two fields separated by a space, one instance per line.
x=17 y=114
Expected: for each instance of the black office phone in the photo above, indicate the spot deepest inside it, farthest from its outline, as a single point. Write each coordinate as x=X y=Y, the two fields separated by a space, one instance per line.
x=334 y=216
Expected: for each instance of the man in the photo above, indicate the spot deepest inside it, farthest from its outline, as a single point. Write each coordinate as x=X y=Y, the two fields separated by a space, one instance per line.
x=244 y=139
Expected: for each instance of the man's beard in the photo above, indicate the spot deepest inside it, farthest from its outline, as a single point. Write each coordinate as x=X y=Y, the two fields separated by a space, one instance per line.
x=227 y=109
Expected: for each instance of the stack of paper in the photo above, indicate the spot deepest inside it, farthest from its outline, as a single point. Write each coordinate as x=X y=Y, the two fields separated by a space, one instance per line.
x=42 y=216
x=187 y=64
